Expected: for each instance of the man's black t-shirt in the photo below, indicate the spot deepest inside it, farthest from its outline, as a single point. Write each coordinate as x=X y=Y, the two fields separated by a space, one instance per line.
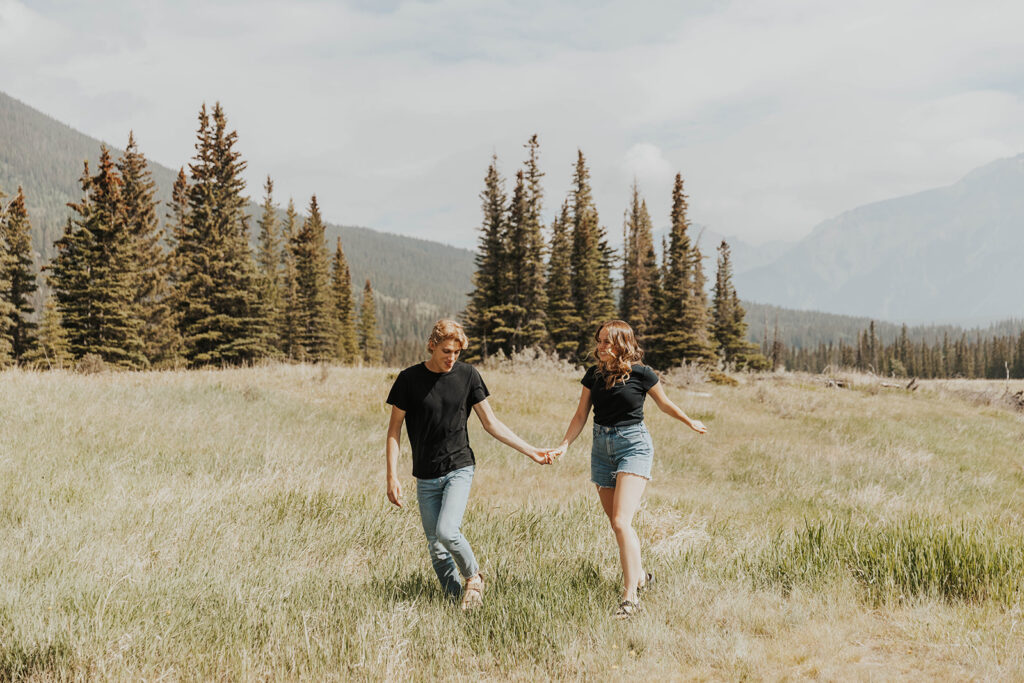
x=623 y=404
x=437 y=406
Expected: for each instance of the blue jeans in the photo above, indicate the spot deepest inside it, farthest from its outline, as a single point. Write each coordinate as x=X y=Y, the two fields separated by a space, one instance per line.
x=442 y=502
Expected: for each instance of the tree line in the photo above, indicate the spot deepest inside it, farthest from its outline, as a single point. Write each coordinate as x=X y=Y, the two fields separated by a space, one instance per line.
x=135 y=294
x=998 y=356
x=532 y=291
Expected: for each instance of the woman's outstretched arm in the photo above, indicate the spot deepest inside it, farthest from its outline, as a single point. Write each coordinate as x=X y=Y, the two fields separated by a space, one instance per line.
x=657 y=392
x=576 y=424
x=497 y=429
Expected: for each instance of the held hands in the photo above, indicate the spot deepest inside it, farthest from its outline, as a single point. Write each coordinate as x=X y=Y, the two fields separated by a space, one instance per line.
x=547 y=456
x=557 y=453
x=541 y=456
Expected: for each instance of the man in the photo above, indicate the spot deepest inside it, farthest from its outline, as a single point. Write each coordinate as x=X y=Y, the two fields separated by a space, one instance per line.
x=434 y=398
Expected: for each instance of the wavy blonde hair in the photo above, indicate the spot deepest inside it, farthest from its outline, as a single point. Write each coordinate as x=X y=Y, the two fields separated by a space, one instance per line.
x=625 y=352
x=444 y=330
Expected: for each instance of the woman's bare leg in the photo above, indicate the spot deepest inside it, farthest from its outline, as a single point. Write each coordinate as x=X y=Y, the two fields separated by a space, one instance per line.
x=621 y=504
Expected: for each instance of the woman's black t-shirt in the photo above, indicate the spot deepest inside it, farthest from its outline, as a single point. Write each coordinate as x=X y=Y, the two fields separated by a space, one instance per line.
x=437 y=406
x=623 y=404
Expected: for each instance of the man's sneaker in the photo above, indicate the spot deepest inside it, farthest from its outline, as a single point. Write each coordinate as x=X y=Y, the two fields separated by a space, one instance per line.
x=473 y=593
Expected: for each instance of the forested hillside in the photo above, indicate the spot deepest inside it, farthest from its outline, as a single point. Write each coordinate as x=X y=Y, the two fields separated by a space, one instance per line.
x=807 y=329
x=415 y=280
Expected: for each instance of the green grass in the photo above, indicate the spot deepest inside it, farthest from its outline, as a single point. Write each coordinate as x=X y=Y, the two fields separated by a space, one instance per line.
x=232 y=524
x=905 y=560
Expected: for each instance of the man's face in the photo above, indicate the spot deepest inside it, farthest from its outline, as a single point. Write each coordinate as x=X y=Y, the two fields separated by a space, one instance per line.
x=445 y=354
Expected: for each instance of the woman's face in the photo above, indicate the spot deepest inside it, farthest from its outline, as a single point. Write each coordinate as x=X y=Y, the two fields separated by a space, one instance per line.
x=604 y=345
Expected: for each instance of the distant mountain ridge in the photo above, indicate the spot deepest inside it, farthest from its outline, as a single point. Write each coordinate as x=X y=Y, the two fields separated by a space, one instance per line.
x=946 y=255
x=415 y=280
x=745 y=256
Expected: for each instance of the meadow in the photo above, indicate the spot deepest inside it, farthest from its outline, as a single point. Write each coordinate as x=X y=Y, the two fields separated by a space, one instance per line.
x=232 y=524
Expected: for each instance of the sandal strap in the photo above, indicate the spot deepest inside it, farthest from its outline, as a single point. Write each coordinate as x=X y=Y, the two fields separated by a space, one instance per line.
x=627 y=608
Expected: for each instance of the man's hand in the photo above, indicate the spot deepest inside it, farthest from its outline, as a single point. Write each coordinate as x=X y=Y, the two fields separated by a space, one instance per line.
x=394 y=491
x=539 y=456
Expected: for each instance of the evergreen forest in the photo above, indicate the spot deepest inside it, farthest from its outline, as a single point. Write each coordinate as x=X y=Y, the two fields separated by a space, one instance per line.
x=152 y=269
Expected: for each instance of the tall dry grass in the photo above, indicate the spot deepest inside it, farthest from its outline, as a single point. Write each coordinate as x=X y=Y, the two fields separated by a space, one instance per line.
x=233 y=524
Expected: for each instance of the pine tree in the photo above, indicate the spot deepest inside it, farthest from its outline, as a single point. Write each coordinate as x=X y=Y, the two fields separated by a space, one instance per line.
x=18 y=278
x=696 y=315
x=175 y=229
x=94 y=274
x=562 y=321
x=268 y=259
x=730 y=329
x=520 y=312
x=221 y=316
x=369 y=340
x=481 y=315
x=682 y=321
x=529 y=240
x=640 y=286
x=592 y=261
x=152 y=298
x=1018 y=358
x=7 y=310
x=69 y=278
x=289 y=332
x=316 y=330
x=53 y=350
x=347 y=339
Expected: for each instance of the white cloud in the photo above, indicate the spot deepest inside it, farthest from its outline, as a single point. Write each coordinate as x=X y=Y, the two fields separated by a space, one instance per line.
x=778 y=114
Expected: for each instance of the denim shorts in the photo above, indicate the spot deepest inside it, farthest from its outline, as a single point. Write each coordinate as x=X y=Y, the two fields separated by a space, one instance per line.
x=620 y=449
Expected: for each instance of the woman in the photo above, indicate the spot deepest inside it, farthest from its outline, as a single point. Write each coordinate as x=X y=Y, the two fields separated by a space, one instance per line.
x=433 y=399
x=622 y=453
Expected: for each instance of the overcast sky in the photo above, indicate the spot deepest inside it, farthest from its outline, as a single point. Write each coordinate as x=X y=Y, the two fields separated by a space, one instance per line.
x=779 y=114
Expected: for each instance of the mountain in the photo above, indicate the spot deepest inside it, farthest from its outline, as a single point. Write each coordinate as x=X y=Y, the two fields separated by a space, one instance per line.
x=946 y=255
x=745 y=256
x=416 y=280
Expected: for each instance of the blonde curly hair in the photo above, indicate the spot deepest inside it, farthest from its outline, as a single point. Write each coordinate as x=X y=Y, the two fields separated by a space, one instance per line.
x=444 y=330
x=625 y=352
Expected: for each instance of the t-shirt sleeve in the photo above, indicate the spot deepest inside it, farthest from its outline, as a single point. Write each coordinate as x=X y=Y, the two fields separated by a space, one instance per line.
x=477 y=389
x=648 y=378
x=589 y=376
x=399 y=394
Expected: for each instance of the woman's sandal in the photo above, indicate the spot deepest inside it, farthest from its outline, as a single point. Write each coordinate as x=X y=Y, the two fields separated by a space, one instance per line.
x=627 y=608
x=473 y=593
x=647 y=584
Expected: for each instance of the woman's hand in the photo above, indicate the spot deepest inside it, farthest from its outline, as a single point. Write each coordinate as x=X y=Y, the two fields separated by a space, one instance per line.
x=698 y=426
x=557 y=453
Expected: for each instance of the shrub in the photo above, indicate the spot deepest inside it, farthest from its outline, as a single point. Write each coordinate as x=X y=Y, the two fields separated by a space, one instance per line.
x=717 y=377
x=532 y=359
x=90 y=364
x=686 y=375
x=913 y=557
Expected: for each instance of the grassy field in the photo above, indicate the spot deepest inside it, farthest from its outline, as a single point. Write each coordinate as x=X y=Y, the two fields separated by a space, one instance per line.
x=233 y=524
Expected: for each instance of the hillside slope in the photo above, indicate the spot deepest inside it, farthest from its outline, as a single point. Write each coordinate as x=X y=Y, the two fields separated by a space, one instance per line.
x=950 y=254
x=416 y=280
